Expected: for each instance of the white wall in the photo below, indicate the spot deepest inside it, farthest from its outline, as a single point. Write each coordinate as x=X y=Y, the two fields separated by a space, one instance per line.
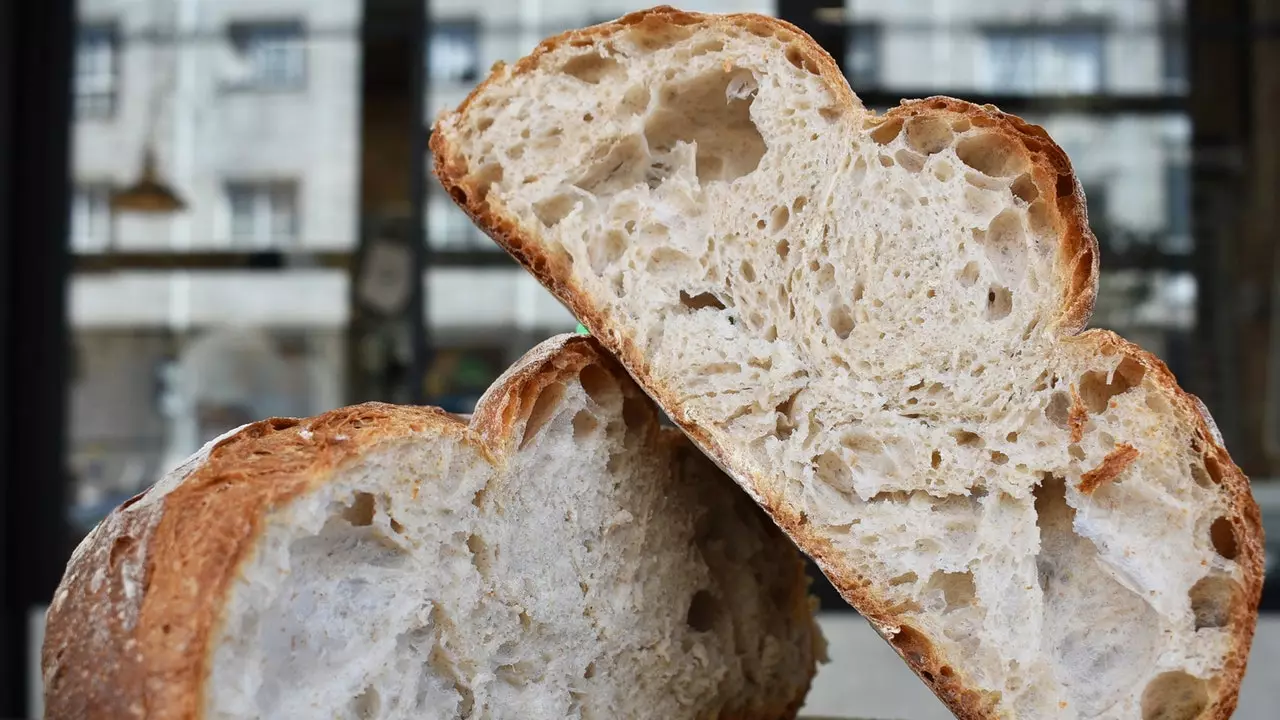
x=206 y=133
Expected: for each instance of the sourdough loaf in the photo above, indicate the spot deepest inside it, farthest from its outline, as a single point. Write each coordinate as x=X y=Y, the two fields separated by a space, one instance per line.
x=560 y=556
x=874 y=323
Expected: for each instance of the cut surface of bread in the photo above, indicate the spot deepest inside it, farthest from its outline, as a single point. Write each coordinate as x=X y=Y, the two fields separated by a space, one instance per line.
x=874 y=324
x=559 y=557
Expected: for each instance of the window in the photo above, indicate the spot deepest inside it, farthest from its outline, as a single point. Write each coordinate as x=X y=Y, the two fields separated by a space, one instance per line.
x=96 y=71
x=91 y=218
x=454 y=55
x=862 y=56
x=263 y=215
x=1041 y=62
x=272 y=55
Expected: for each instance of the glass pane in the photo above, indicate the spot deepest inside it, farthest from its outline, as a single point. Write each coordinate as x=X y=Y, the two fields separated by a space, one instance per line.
x=1127 y=47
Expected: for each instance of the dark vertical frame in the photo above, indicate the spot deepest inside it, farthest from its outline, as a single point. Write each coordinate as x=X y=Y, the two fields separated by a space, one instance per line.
x=36 y=45
x=388 y=355
x=419 y=332
x=1219 y=79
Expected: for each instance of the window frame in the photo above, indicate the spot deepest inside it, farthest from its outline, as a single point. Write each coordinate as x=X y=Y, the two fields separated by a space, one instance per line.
x=246 y=36
x=262 y=195
x=1039 y=33
x=446 y=29
x=108 y=31
x=80 y=229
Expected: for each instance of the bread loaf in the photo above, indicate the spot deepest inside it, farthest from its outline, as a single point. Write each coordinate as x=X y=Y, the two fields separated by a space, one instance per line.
x=561 y=556
x=874 y=324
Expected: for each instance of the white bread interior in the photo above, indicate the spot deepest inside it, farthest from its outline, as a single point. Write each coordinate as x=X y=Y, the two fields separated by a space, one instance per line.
x=872 y=323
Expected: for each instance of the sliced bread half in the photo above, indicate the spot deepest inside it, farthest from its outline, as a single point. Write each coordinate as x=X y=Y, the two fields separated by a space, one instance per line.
x=874 y=323
x=561 y=556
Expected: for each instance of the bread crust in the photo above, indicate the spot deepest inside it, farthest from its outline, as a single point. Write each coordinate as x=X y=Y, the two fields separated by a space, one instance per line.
x=1077 y=274
x=129 y=630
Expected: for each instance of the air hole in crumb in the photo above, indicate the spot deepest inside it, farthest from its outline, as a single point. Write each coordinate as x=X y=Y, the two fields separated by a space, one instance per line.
x=832 y=470
x=887 y=131
x=584 y=423
x=781 y=216
x=911 y=644
x=1214 y=468
x=841 y=321
x=590 y=672
x=588 y=117
x=965 y=438
x=798 y=204
x=1024 y=188
x=728 y=144
x=761 y=224
x=999 y=302
x=969 y=274
x=397 y=527
x=599 y=384
x=479 y=553
x=1066 y=186
x=943 y=171
x=1211 y=600
x=783 y=248
x=554 y=209
x=360 y=512
x=1175 y=695
x=961 y=124
x=999 y=458
x=928 y=134
x=991 y=154
x=1011 y=437
x=748 y=271
x=703 y=610
x=635 y=412
x=1096 y=392
x=592 y=67
x=935 y=459
x=1223 y=535
x=1200 y=476
x=886 y=161
x=957 y=588
x=797 y=56
x=946 y=671
x=906 y=578
x=1075 y=451
x=700 y=301
x=542 y=408
x=705 y=47
x=784 y=426
x=910 y=161
x=1058 y=410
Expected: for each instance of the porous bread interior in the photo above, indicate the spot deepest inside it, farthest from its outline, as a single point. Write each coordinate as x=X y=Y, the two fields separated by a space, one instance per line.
x=601 y=573
x=866 y=317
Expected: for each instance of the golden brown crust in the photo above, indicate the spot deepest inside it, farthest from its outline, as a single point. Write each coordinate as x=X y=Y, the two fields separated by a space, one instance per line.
x=1109 y=469
x=129 y=630
x=1078 y=269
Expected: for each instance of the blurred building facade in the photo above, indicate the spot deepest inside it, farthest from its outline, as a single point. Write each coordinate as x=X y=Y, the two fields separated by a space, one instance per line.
x=252 y=111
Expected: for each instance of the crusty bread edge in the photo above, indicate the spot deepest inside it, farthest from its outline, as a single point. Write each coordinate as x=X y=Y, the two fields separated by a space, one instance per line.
x=1078 y=263
x=118 y=647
